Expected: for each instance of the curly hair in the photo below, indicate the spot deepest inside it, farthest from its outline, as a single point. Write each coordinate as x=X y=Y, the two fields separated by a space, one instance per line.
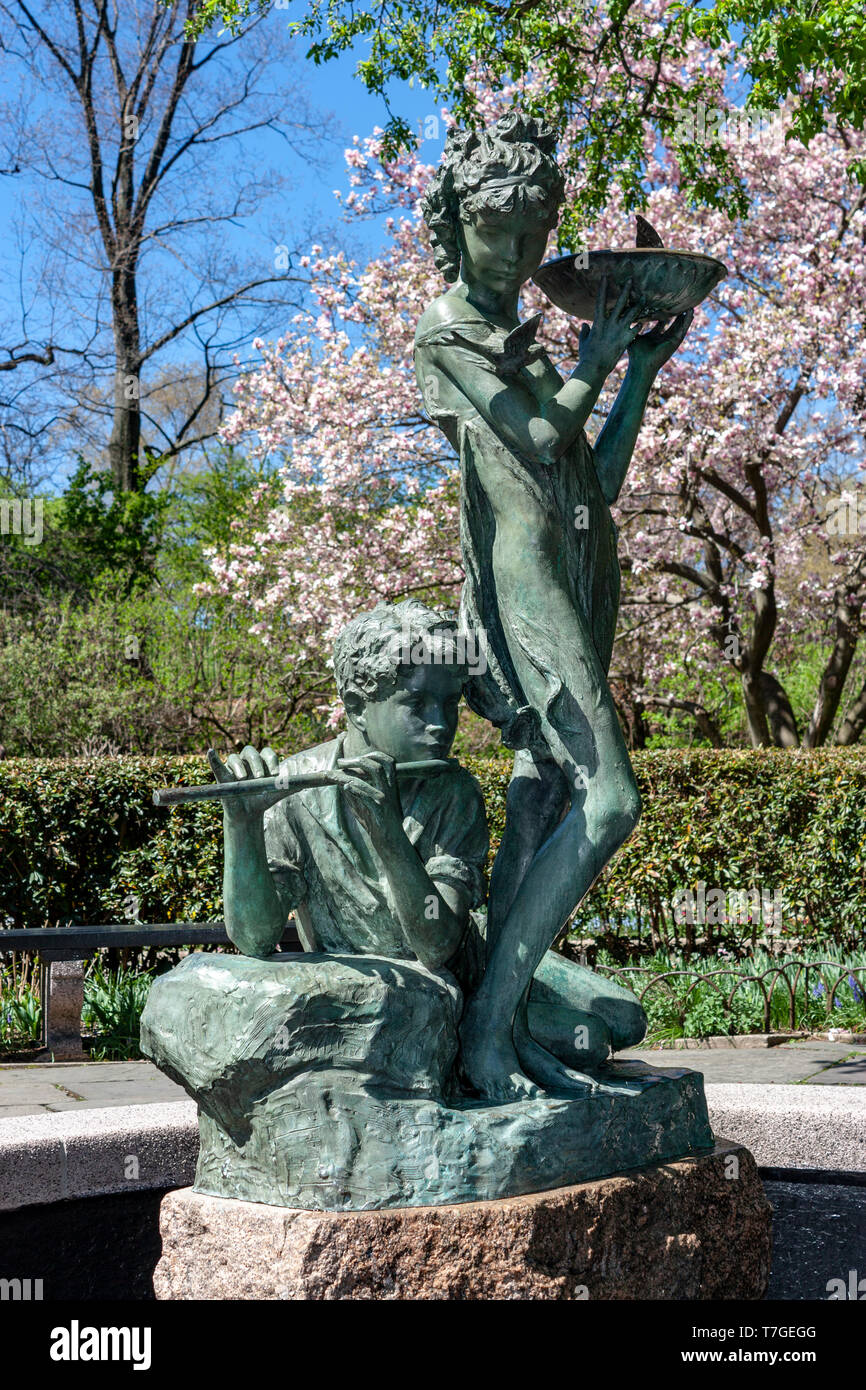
x=371 y=650
x=510 y=166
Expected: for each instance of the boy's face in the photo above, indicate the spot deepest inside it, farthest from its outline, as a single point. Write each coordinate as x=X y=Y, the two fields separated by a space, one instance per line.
x=420 y=719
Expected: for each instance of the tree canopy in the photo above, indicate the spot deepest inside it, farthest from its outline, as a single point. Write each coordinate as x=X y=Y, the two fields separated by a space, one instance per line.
x=810 y=54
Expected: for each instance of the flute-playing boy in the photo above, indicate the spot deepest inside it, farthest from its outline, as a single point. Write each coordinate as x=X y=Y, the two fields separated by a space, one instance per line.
x=368 y=866
x=373 y=865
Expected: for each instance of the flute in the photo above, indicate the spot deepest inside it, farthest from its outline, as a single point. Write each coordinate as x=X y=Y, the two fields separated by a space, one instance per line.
x=289 y=783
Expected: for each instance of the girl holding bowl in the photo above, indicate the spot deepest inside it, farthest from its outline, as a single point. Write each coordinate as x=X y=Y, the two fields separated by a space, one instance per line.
x=542 y=588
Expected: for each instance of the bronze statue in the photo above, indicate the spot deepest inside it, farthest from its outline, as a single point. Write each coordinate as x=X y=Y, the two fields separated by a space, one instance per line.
x=354 y=1074
x=539 y=550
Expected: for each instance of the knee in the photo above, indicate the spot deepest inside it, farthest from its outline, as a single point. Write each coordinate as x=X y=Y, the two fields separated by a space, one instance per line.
x=618 y=812
x=628 y=1024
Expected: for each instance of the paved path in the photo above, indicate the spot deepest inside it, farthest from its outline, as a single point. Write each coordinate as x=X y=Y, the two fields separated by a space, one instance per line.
x=818 y=1063
x=36 y=1088
x=41 y=1087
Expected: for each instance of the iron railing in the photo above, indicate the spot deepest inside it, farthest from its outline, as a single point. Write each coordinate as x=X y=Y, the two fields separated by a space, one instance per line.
x=779 y=980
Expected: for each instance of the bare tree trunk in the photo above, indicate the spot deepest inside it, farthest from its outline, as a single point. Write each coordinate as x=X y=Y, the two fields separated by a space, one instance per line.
x=781 y=719
x=756 y=714
x=852 y=726
x=846 y=621
x=125 y=441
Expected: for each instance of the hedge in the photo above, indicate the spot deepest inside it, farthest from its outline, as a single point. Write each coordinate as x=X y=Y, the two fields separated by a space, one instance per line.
x=82 y=841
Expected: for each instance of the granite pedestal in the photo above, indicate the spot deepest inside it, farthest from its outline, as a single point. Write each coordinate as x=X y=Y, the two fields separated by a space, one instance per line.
x=697 y=1228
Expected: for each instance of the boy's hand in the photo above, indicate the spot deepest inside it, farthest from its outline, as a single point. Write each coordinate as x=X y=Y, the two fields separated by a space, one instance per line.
x=369 y=785
x=240 y=767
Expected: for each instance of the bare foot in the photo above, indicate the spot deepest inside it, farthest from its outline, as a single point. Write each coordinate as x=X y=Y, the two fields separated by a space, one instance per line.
x=543 y=1067
x=490 y=1061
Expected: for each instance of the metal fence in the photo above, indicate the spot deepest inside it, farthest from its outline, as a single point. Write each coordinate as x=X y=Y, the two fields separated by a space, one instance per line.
x=791 y=978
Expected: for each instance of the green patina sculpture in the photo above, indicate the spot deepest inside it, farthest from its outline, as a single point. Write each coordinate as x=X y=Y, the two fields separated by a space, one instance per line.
x=333 y=1079
x=411 y=853
x=357 y=1074
x=539 y=548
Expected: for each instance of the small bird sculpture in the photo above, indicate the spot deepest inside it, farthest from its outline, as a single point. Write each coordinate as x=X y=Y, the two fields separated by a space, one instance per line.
x=518 y=346
x=646 y=233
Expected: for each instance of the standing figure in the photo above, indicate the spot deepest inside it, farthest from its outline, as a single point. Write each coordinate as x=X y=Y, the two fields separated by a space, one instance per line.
x=542 y=585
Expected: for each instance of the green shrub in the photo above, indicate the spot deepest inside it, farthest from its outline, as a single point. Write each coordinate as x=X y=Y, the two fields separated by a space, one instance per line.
x=82 y=841
x=792 y=822
x=113 y=1005
x=20 y=1019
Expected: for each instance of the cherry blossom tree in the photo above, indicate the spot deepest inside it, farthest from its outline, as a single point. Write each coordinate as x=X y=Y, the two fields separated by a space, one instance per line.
x=739 y=527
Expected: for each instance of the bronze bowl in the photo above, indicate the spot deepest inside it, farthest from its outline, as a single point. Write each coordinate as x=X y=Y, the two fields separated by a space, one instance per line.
x=666 y=282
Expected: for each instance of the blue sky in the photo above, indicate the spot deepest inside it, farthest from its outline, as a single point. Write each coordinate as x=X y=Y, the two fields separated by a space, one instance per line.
x=302 y=212
x=334 y=87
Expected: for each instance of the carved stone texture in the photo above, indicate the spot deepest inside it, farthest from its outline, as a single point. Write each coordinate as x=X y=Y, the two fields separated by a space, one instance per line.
x=326 y=1082
x=695 y=1229
x=231 y=1028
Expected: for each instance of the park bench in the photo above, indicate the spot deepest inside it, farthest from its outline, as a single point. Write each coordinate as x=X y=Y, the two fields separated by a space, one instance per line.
x=63 y=952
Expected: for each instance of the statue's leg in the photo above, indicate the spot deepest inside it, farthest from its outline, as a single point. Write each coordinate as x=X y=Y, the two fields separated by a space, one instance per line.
x=580 y=1040
x=604 y=810
x=562 y=984
x=545 y=1037
x=538 y=796
x=564 y=1047
x=549 y=1053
